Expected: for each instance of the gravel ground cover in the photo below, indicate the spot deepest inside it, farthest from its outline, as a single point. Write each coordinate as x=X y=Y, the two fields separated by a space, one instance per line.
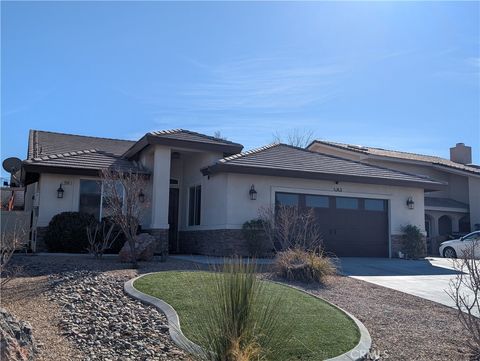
x=403 y=327
x=78 y=310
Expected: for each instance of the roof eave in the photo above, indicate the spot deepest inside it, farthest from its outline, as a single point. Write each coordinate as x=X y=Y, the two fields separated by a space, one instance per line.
x=42 y=168
x=137 y=147
x=229 y=168
x=151 y=139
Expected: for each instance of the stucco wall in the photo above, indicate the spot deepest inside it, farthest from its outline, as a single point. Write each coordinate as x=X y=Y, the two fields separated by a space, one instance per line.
x=474 y=190
x=50 y=205
x=239 y=207
x=213 y=205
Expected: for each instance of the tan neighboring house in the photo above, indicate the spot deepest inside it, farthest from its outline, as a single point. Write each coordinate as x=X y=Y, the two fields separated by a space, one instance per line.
x=455 y=209
x=202 y=189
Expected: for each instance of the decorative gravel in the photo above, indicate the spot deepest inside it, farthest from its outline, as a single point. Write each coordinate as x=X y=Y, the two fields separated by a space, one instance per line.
x=108 y=325
x=77 y=309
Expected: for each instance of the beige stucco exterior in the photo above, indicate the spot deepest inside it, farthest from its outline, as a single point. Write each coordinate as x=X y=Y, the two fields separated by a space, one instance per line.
x=225 y=201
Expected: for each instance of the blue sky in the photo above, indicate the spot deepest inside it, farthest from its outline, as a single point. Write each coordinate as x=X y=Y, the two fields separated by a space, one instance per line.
x=396 y=75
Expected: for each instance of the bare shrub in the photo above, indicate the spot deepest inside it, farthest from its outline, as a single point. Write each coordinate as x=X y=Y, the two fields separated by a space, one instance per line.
x=122 y=191
x=289 y=227
x=305 y=266
x=12 y=239
x=465 y=292
x=100 y=238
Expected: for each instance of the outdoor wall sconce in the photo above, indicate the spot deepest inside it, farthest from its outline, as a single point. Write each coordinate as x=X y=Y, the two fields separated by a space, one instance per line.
x=141 y=196
x=253 y=193
x=60 y=191
x=410 y=203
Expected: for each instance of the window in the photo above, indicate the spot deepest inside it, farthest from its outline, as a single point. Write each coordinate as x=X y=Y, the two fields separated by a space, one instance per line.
x=316 y=201
x=286 y=199
x=194 y=205
x=90 y=197
x=108 y=196
x=94 y=198
x=374 y=205
x=347 y=203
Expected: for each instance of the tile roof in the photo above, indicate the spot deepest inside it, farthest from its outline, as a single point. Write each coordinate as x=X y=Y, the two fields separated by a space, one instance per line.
x=181 y=138
x=189 y=136
x=77 y=151
x=282 y=157
x=402 y=155
x=444 y=203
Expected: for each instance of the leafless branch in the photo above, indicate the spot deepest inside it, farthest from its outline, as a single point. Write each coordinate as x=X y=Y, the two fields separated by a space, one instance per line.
x=465 y=292
x=121 y=195
x=296 y=137
x=289 y=227
x=12 y=239
x=99 y=242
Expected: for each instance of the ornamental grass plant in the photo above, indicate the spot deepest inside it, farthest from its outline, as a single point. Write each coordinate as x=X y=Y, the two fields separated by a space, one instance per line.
x=241 y=318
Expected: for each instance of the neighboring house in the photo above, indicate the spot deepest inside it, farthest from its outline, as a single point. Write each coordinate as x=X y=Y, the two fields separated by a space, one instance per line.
x=202 y=189
x=455 y=209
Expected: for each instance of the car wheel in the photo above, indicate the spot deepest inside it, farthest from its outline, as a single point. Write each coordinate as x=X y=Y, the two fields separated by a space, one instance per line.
x=449 y=252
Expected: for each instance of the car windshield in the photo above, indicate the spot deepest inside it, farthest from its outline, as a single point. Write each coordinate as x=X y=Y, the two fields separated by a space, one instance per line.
x=472 y=237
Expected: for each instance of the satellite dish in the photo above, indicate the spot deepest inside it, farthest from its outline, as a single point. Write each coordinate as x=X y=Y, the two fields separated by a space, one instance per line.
x=12 y=165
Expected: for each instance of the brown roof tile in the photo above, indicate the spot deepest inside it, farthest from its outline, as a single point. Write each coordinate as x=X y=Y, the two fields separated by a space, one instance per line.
x=292 y=161
x=49 y=149
x=402 y=155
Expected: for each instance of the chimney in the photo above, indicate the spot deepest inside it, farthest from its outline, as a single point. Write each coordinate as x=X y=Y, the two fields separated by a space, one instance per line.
x=461 y=154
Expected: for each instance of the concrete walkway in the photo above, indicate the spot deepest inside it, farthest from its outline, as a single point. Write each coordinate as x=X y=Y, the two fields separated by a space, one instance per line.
x=428 y=278
x=214 y=260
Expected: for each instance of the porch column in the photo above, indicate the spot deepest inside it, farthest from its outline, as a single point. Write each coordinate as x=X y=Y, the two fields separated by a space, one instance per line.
x=160 y=196
x=434 y=225
x=455 y=227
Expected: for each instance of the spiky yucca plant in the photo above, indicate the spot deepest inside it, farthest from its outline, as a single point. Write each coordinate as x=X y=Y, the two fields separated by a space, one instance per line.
x=241 y=317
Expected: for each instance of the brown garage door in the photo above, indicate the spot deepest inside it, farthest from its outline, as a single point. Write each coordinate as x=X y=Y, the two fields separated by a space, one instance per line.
x=351 y=227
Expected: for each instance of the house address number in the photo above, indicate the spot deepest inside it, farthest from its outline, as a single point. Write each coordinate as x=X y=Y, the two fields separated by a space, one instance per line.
x=337 y=189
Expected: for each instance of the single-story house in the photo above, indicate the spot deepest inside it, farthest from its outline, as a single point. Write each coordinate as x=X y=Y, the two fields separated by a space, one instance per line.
x=454 y=209
x=200 y=189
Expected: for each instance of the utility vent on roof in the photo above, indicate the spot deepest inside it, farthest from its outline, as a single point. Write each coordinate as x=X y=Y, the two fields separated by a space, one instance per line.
x=361 y=147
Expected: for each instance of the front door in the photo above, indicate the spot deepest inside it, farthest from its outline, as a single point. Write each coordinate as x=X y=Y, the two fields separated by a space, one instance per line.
x=174 y=246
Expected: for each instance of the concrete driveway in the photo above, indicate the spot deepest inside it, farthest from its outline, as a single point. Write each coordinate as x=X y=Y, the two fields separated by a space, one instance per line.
x=428 y=278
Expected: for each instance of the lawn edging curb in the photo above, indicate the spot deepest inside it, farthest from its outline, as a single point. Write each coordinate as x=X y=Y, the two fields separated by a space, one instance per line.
x=172 y=317
x=355 y=354
x=363 y=346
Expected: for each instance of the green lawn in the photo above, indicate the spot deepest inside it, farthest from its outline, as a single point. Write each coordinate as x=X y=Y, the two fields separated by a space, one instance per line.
x=320 y=331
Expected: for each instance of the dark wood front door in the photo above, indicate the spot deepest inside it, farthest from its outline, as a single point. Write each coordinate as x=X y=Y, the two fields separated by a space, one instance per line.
x=174 y=246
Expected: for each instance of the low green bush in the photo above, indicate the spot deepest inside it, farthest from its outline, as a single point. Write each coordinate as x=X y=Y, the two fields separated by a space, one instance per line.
x=257 y=243
x=414 y=245
x=67 y=232
x=305 y=266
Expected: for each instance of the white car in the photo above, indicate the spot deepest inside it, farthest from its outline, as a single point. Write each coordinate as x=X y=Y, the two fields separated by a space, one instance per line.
x=456 y=247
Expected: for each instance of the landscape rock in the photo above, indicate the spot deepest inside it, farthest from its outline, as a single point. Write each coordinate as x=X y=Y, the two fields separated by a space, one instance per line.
x=106 y=324
x=144 y=249
x=16 y=340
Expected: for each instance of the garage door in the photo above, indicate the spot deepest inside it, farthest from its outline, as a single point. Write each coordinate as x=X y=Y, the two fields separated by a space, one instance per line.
x=351 y=227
